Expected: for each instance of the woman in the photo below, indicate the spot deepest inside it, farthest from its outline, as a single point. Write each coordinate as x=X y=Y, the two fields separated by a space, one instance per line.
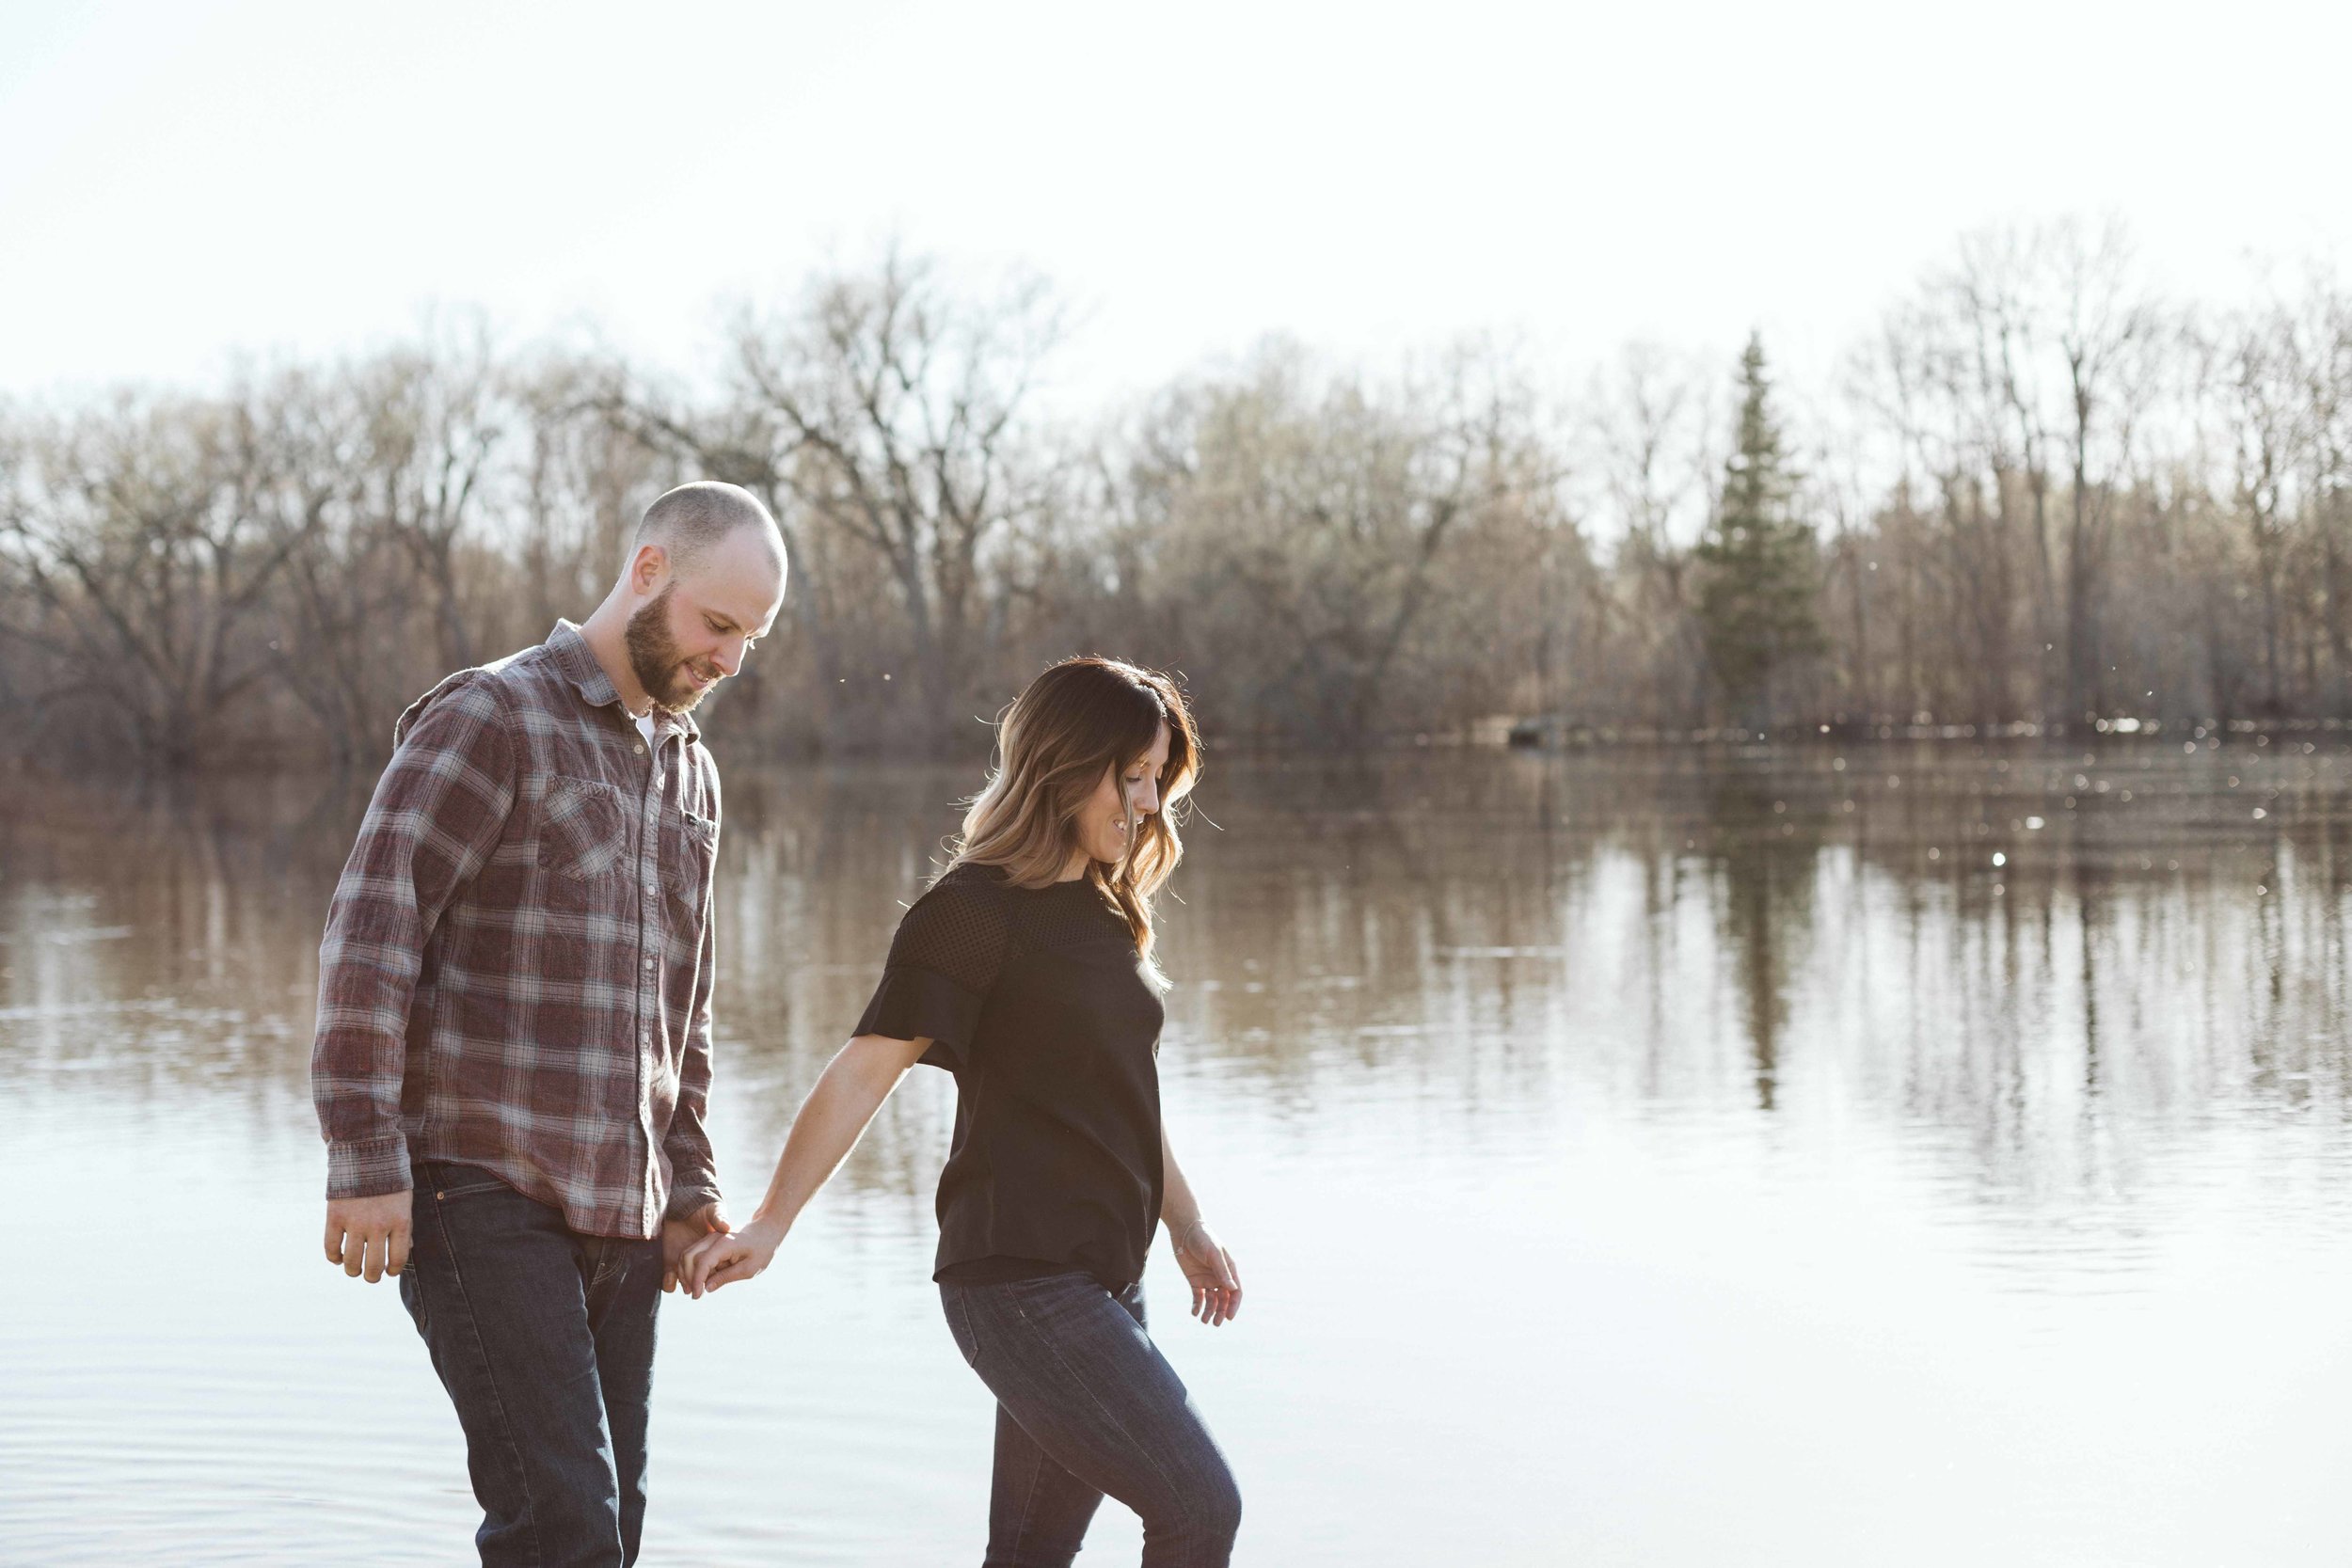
x=1026 y=971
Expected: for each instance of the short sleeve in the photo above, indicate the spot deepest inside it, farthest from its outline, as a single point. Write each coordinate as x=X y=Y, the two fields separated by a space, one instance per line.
x=941 y=965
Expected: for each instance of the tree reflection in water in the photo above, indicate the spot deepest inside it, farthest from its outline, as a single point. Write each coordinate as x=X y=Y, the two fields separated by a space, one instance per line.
x=2048 y=966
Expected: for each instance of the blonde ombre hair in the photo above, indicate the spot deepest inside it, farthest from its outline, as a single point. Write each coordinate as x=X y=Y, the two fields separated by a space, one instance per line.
x=1080 y=719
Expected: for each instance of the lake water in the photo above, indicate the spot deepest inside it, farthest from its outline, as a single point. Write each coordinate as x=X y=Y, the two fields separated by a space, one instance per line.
x=1895 y=1155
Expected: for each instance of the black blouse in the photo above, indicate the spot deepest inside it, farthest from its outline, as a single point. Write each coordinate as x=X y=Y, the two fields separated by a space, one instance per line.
x=1035 y=999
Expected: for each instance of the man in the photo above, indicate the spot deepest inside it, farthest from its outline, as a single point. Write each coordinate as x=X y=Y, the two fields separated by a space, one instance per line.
x=514 y=1037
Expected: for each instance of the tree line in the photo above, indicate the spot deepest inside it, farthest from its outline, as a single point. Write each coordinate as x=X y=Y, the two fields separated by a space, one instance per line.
x=2040 y=493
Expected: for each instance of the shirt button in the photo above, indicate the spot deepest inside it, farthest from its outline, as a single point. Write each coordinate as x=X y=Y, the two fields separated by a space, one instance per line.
x=650 y=890
x=649 y=963
x=641 y=748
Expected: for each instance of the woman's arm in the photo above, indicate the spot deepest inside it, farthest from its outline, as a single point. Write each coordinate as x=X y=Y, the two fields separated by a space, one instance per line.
x=1209 y=1268
x=847 y=1094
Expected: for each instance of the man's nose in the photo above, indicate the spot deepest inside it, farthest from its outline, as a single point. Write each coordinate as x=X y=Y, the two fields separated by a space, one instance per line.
x=729 y=659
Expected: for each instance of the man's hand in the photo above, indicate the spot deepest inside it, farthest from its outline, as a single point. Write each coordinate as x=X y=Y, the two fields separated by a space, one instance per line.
x=370 y=1235
x=677 y=1235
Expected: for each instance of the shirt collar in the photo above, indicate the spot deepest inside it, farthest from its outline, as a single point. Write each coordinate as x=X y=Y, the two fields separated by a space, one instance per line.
x=577 y=661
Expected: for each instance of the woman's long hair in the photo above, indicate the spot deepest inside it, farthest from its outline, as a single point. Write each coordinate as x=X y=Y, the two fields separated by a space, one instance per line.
x=1076 y=721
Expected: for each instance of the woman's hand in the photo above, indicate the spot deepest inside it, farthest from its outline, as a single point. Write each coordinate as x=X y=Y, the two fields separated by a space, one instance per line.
x=847 y=1093
x=723 y=1259
x=1215 y=1283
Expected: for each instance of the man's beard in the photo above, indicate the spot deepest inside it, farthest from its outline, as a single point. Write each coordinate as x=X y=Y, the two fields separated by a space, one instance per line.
x=654 y=657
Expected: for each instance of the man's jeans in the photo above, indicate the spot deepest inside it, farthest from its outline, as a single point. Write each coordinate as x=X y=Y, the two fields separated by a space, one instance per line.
x=1086 y=1405
x=544 y=1339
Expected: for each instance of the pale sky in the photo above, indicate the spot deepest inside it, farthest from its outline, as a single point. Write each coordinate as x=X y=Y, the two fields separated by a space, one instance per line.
x=179 y=183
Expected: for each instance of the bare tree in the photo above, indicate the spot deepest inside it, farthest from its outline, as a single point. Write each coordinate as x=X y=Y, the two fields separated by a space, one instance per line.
x=1977 y=333
x=1649 y=440
x=2108 y=340
x=349 y=614
x=1935 y=377
x=1310 y=521
x=894 y=415
x=2257 y=364
x=149 y=533
x=592 y=463
x=433 y=422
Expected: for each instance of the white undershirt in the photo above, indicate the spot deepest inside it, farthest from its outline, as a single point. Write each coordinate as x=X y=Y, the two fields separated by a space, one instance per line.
x=645 y=727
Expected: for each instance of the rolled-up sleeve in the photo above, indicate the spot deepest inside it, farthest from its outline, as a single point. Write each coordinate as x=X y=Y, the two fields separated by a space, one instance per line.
x=437 y=812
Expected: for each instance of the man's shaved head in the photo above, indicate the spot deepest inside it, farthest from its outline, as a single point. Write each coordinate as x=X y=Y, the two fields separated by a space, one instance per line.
x=686 y=522
x=704 y=583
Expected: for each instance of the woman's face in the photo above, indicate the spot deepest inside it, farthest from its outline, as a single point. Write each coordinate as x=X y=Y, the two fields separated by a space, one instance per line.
x=1119 y=803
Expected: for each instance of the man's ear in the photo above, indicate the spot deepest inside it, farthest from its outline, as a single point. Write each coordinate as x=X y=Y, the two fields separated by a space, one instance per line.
x=648 y=568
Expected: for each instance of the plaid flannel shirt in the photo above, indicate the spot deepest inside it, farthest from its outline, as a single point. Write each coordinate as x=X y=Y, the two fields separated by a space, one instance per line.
x=518 y=962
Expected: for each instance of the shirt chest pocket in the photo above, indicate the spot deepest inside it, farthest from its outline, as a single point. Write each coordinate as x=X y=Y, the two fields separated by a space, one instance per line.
x=583 y=837
x=690 y=847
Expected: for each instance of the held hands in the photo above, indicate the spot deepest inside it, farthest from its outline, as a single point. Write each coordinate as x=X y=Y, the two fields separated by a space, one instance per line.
x=1209 y=1268
x=677 y=1236
x=722 y=1260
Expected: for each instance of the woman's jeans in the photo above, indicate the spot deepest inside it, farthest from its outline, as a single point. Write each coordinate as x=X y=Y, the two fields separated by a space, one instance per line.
x=1086 y=1405
x=544 y=1338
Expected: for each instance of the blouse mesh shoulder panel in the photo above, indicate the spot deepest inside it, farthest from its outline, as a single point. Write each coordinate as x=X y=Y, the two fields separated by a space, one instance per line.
x=950 y=947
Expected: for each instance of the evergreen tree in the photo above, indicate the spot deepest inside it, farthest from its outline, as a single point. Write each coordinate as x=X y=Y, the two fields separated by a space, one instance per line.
x=1755 y=597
